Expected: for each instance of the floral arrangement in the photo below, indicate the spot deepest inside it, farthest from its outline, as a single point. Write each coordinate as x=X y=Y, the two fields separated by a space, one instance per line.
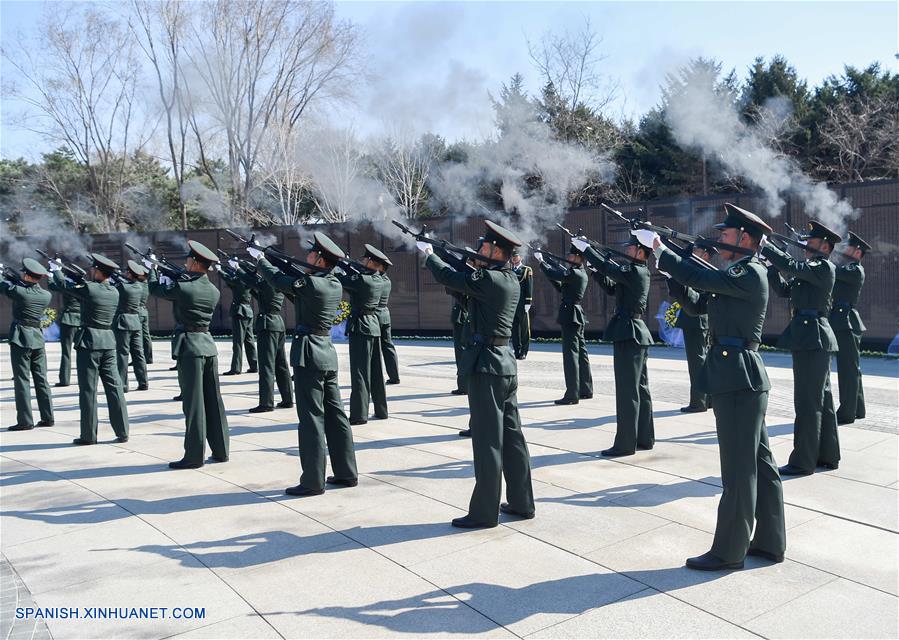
x=671 y=314
x=48 y=318
x=343 y=312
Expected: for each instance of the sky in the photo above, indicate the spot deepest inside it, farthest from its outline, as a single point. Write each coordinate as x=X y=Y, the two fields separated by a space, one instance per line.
x=431 y=64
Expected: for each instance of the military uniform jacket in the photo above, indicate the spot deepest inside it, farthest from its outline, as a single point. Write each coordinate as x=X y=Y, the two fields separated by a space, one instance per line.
x=365 y=293
x=194 y=303
x=571 y=283
x=127 y=315
x=493 y=297
x=383 y=311
x=143 y=312
x=630 y=282
x=99 y=301
x=693 y=304
x=846 y=290
x=459 y=313
x=270 y=302
x=241 y=295
x=809 y=288
x=526 y=280
x=317 y=299
x=28 y=304
x=737 y=303
x=70 y=314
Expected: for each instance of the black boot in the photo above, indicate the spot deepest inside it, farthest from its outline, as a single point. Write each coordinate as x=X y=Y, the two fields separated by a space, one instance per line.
x=505 y=508
x=708 y=562
x=300 y=490
x=466 y=522
x=184 y=464
x=343 y=482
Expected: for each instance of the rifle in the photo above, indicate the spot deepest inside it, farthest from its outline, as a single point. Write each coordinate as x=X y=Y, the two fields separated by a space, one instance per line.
x=284 y=262
x=558 y=260
x=781 y=241
x=71 y=270
x=608 y=253
x=354 y=268
x=244 y=264
x=167 y=268
x=12 y=275
x=665 y=232
x=461 y=253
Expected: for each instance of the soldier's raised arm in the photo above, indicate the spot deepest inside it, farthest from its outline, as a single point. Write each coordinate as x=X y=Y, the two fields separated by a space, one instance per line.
x=815 y=270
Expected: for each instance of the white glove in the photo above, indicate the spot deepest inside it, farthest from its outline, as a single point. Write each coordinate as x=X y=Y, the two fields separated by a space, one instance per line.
x=646 y=237
x=148 y=263
x=217 y=267
x=538 y=256
x=164 y=280
x=580 y=243
x=425 y=247
x=53 y=266
x=527 y=308
x=255 y=253
x=763 y=241
x=233 y=263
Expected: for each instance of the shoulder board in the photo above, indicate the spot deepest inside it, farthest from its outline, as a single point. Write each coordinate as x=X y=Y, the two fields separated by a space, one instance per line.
x=737 y=270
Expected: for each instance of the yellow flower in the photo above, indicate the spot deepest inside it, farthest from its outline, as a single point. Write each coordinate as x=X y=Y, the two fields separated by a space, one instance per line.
x=671 y=314
x=343 y=312
x=48 y=318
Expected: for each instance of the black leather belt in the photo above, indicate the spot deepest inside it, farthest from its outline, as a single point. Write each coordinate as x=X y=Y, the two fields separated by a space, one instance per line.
x=302 y=330
x=364 y=313
x=34 y=324
x=737 y=343
x=807 y=313
x=490 y=341
x=97 y=325
x=628 y=315
x=196 y=329
x=571 y=300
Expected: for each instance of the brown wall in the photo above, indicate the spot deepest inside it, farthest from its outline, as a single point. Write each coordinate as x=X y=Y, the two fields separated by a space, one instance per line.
x=418 y=303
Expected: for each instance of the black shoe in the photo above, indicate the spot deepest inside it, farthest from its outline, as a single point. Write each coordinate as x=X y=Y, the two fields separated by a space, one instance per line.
x=860 y=417
x=833 y=466
x=126 y=390
x=466 y=522
x=790 y=470
x=122 y=439
x=177 y=398
x=45 y=423
x=81 y=442
x=567 y=401
x=396 y=381
x=261 y=409
x=505 y=508
x=377 y=417
x=708 y=562
x=767 y=555
x=300 y=490
x=616 y=453
x=175 y=368
x=149 y=361
x=343 y=482
x=692 y=409
x=586 y=396
x=21 y=427
x=60 y=384
x=184 y=464
x=643 y=447
x=466 y=433
x=285 y=405
x=842 y=421
x=219 y=459
x=459 y=392
x=253 y=370
x=231 y=373
x=358 y=421
x=143 y=387
x=524 y=357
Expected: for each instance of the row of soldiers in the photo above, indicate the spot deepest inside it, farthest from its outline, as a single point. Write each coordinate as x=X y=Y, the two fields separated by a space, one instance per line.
x=732 y=374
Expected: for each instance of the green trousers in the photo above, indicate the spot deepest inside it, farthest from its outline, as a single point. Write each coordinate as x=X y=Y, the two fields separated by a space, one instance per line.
x=499 y=447
x=388 y=354
x=852 y=394
x=273 y=368
x=575 y=362
x=130 y=344
x=459 y=348
x=28 y=364
x=322 y=423
x=242 y=336
x=633 y=404
x=146 y=337
x=204 y=411
x=696 y=347
x=91 y=365
x=815 y=439
x=752 y=488
x=521 y=333
x=367 y=377
x=66 y=339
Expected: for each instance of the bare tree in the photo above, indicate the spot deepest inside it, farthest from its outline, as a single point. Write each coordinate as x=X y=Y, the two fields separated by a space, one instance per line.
x=336 y=165
x=862 y=136
x=81 y=88
x=284 y=178
x=403 y=164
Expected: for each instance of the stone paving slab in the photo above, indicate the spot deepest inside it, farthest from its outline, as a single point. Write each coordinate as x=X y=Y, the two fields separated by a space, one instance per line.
x=111 y=525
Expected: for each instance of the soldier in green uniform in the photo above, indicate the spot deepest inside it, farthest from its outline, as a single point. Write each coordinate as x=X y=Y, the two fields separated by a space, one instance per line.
x=270 y=339
x=146 y=338
x=241 y=312
x=26 y=344
x=388 y=350
x=693 y=321
x=127 y=327
x=848 y=327
x=500 y=450
x=521 y=327
x=631 y=341
x=811 y=341
x=95 y=347
x=571 y=282
x=195 y=299
x=364 y=331
x=69 y=321
x=459 y=318
x=322 y=421
x=734 y=375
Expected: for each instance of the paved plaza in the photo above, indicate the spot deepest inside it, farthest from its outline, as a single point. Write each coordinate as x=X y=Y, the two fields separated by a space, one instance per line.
x=228 y=555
